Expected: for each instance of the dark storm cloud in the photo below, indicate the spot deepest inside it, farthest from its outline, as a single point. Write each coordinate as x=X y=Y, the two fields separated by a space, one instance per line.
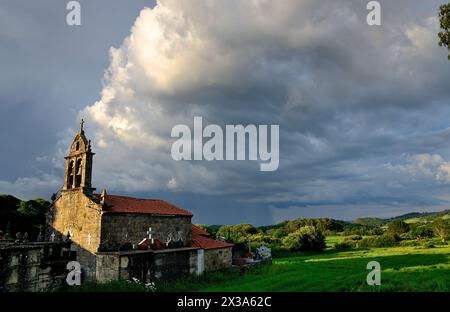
x=49 y=71
x=363 y=111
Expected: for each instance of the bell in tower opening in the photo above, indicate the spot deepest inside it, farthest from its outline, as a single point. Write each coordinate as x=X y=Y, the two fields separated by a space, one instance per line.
x=78 y=175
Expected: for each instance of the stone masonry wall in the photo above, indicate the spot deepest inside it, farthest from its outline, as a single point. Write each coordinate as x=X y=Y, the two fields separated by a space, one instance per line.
x=33 y=267
x=107 y=267
x=146 y=266
x=119 y=229
x=78 y=213
x=218 y=259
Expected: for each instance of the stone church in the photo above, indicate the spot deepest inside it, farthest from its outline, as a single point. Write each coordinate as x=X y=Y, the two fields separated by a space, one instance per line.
x=119 y=237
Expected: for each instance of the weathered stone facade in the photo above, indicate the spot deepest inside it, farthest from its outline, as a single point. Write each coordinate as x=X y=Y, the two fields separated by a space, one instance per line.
x=218 y=259
x=146 y=266
x=119 y=229
x=76 y=213
x=33 y=267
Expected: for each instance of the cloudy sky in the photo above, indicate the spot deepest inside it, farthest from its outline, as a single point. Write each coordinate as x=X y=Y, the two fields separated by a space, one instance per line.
x=363 y=110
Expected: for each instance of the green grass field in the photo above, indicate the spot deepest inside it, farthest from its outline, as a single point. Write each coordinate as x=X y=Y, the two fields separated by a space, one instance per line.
x=403 y=269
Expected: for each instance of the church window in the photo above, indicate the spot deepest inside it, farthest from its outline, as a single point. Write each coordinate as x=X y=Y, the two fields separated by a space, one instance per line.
x=77 y=146
x=78 y=173
x=70 y=175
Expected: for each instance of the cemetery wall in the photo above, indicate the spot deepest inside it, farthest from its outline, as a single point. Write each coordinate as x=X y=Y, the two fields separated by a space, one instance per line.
x=146 y=265
x=218 y=259
x=33 y=267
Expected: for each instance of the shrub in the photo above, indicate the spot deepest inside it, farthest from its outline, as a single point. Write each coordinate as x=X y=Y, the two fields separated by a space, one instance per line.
x=330 y=233
x=428 y=244
x=260 y=239
x=355 y=237
x=404 y=236
x=386 y=240
x=343 y=245
x=377 y=231
x=409 y=243
x=437 y=242
x=307 y=238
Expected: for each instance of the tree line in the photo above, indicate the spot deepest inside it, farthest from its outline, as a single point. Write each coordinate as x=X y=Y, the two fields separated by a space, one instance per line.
x=308 y=234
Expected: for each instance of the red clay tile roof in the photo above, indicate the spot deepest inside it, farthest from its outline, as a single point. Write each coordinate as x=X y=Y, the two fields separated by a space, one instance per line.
x=117 y=203
x=199 y=231
x=198 y=240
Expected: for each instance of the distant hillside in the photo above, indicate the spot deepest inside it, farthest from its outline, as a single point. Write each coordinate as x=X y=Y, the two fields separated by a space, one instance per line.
x=411 y=217
x=322 y=223
x=422 y=216
x=371 y=222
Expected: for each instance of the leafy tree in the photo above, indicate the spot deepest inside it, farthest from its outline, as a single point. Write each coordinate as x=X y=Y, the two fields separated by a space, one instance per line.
x=34 y=210
x=421 y=232
x=225 y=232
x=307 y=238
x=441 y=229
x=398 y=227
x=240 y=233
x=444 y=20
x=326 y=224
x=294 y=225
x=323 y=224
x=23 y=216
x=376 y=231
x=278 y=233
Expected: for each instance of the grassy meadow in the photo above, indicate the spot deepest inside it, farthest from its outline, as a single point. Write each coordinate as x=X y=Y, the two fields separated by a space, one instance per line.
x=403 y=269
x=412 y=268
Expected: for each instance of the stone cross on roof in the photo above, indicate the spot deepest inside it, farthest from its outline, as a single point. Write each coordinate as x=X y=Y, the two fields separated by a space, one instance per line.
x=81 y=125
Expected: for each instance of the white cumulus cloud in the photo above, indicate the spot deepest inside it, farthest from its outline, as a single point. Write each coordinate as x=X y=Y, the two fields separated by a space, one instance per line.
x=341 y=91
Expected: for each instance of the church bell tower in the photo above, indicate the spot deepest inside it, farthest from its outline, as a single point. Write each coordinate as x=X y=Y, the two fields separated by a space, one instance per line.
x=78 y=175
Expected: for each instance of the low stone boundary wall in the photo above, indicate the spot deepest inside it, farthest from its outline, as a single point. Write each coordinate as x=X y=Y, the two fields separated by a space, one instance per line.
x=146 y=265
x=33 y=266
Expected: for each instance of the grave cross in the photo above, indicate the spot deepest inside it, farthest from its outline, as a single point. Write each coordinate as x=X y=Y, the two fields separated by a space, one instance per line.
x=150 y=234
x=52 y=236
x=169 y=239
